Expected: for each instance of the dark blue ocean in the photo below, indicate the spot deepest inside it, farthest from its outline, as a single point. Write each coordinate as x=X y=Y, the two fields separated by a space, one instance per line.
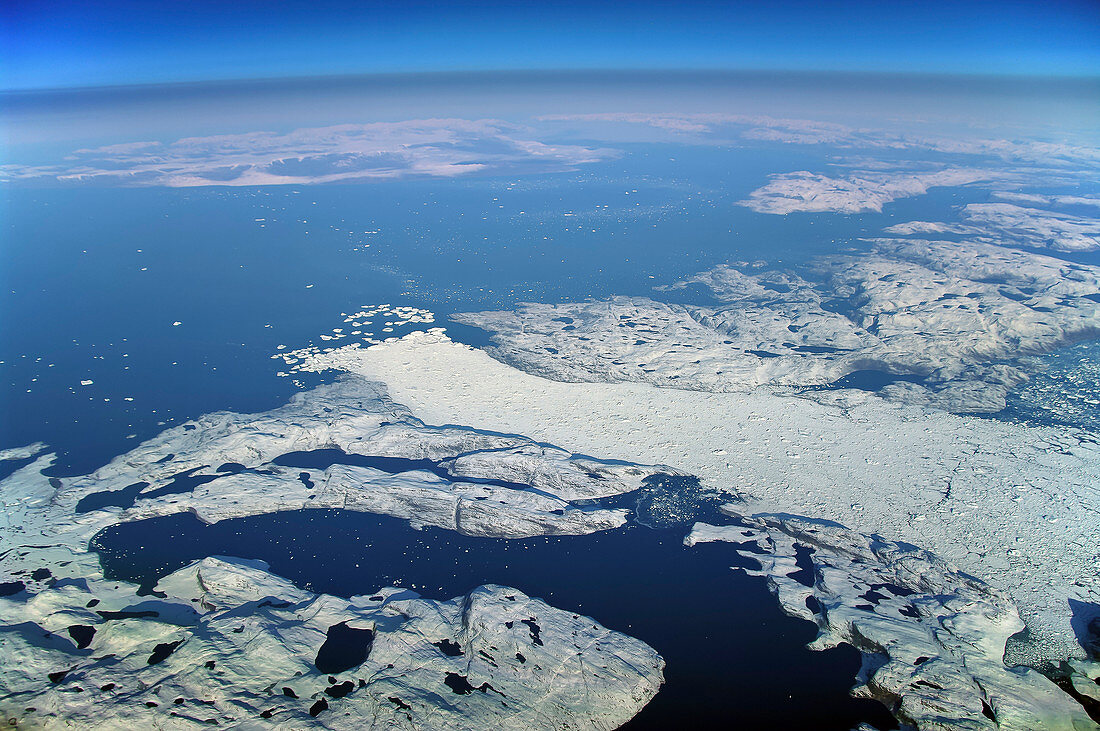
x=93 y=281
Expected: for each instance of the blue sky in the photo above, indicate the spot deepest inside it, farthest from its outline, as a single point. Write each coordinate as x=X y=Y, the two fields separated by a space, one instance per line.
x=90 y=43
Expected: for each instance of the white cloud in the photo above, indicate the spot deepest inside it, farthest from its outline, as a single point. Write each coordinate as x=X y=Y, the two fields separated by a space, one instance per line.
x=1049 y=200
x=430 y=147
x=707 y=127
x=749 y=126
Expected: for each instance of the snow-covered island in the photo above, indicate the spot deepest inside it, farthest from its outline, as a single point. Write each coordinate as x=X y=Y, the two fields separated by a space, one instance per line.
x=932 y=637
x=226 y=641
x=1004 y=503
x=927 y=539
x=931 y=322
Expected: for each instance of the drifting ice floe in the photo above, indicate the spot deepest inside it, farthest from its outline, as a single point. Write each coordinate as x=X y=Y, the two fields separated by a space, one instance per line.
x=971 y=490
x=1004 y=502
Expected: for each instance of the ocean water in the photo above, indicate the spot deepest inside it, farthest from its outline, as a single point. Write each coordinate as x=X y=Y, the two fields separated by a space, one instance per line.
x=732 y=657
x=171 y=303
x=94 y=279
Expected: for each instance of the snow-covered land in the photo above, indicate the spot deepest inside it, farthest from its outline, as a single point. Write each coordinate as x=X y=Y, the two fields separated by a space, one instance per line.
x=950 y=318
x=1019 y=225
x=1013 y=505
x=221 y=466
x=932 y=637
x=227 y=642
x=224 y=642
x=803 y=191
x=944 y=534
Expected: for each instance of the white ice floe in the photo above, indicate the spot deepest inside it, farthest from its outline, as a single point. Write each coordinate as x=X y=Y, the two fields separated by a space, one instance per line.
x=402 y=316
x=971 y=490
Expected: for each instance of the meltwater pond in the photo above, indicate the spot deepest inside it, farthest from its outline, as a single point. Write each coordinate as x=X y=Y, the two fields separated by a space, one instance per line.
x=732 y=656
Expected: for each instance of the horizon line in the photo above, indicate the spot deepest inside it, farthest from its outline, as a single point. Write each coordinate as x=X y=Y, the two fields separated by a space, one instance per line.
x=559 y=72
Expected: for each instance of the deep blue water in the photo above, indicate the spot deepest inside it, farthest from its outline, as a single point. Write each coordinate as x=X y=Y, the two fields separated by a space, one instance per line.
x=92 y=279
x=733 y=659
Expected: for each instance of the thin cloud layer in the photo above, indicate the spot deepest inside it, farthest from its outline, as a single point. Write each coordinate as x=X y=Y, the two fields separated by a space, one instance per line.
x=720 y=127
x=727 y=127
x=343 y=153
x=908 y=167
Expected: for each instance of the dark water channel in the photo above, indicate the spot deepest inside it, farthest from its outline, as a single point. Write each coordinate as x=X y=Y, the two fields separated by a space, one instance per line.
x=733 y=659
